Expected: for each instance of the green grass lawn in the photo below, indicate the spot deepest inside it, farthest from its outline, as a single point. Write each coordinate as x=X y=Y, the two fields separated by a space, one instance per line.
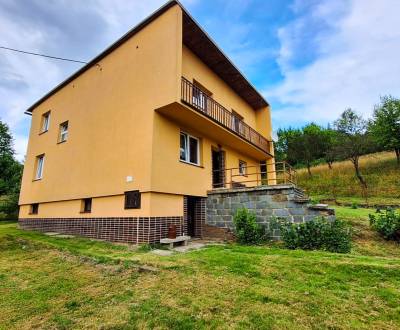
x=55 y=283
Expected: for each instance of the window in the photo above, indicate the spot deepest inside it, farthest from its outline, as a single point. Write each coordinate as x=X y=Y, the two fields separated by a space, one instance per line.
x=189 y=149
x=236 y=122
x=39 y=167
x=132 y=199
x=242 y=167
x=34 y=209
x=45 y=122
x=199 y=98
x=200 y=95
x=63 y=132
x=86 y=205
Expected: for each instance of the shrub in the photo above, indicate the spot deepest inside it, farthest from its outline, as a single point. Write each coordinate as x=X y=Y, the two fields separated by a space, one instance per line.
x=9 y=207
x=247 y=230
x=319 y=234
x=387 y=224
x=354 y=205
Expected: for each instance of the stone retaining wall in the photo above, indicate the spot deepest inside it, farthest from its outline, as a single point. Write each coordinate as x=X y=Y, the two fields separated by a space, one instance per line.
x=268 y=202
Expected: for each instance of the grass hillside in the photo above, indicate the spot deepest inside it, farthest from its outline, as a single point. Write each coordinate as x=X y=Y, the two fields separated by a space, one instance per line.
x=380 y=171
x=75 y=283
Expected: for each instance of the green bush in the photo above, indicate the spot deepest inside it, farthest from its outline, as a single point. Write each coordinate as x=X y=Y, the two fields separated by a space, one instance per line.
x=319 y=234
x=354 y=205
x=247 y=230
x=387 y=224
x=9 y=207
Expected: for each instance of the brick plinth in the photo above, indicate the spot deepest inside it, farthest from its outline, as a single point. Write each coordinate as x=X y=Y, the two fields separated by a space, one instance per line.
x=128 y=230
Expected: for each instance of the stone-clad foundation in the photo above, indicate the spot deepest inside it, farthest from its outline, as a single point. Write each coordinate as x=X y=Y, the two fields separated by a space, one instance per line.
x=267 y=202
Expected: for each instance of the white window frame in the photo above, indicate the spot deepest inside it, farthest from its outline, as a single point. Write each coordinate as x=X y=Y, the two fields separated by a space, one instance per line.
x=63 y=133
x=39 y=167
x=45 y=122
x=187 y=144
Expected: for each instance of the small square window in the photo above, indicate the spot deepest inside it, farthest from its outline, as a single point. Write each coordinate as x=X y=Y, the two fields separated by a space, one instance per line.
x=132 y=199
x=63 y=136
x=86 y=205
x=242 y=167
x=45 y=122
x=39 y=167
x=34 y=208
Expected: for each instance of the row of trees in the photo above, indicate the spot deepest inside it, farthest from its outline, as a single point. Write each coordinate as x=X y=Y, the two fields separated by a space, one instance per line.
x=350 y=137
x=10 y=175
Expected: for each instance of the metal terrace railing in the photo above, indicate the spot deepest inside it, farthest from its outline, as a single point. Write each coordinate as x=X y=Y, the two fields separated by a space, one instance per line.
x=203 y=103
x=253 y=176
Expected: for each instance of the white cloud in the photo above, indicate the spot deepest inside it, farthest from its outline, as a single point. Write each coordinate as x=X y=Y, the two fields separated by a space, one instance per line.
x=73 y=29
x=356 y=50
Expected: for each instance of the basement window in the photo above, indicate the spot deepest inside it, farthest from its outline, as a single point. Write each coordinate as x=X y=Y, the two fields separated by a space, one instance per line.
x=86 y=205
x=189 y=149
x=34 y=209
x=132 y=199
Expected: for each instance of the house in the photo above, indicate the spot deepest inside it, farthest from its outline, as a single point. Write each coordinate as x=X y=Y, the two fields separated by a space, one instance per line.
x=136 y=139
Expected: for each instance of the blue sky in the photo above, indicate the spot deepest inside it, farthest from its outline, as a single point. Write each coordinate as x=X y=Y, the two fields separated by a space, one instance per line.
x=311 y=59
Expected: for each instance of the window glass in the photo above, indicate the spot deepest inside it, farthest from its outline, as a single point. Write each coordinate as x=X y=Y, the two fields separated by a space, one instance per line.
x=63 y=132
x=242 y=167
x=183 y=148
x=87 y=205
x=46 y=122
x=189 y=149
x=193 y=150
x=132 y=199
x=39 y=166
x=34 y=208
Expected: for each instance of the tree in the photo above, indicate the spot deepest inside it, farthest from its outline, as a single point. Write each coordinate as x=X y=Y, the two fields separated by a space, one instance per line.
x=282 y=144
x=353 y=140
x=385 y=127
x=330 y=141
x=10 y=174
x=306 y=145
x=301 y=146
x=6 y=140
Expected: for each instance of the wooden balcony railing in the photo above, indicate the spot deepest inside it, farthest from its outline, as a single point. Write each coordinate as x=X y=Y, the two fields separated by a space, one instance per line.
x=253 y=176
x=200 y=101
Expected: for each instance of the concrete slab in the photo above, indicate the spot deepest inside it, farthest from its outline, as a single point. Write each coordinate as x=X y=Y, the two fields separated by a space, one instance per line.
x=51 y=233
x=163 y=253
x=190 y=247
x=65 y=236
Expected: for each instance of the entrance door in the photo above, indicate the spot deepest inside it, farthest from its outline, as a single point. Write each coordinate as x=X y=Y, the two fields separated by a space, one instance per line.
x=191 y=215
x=218 y=170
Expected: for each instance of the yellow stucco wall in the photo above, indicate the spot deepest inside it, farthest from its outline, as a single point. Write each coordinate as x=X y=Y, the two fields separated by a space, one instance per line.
x=110 y=113
x=171 y=175
x=115 y=132
x=152 y=204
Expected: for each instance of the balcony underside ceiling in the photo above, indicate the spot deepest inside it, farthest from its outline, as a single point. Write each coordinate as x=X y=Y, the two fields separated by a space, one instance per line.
x=189 y=118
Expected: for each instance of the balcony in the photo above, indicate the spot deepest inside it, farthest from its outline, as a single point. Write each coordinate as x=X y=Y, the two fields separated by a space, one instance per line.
x=198 y=100
x=254 y=176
